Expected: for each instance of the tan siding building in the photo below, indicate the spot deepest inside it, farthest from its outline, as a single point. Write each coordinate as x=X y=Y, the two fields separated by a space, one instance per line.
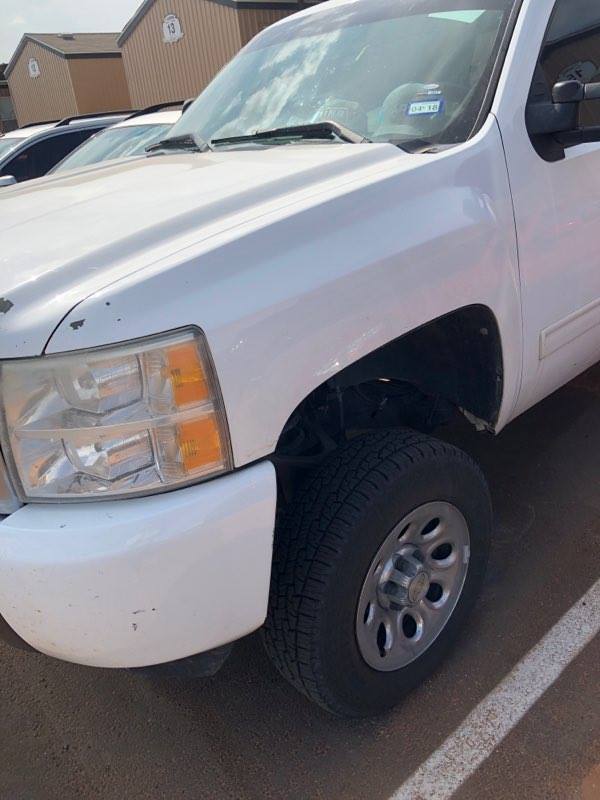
x=173 y=48
x=7 y=112
x=52 y=76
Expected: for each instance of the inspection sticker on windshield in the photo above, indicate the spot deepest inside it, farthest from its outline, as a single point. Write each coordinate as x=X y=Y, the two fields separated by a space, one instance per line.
x=428 y=107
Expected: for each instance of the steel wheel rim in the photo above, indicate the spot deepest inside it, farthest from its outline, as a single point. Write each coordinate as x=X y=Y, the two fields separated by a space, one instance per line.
x=412 y=586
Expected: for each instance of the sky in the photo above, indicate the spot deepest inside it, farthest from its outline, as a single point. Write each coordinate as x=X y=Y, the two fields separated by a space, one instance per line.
x=59 y=16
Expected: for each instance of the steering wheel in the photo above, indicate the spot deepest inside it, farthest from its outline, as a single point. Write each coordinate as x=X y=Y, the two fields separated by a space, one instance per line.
x=394 y=111
x=455 y=92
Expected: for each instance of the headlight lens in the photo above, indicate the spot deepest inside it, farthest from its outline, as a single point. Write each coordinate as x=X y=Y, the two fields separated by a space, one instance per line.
x=113 y=422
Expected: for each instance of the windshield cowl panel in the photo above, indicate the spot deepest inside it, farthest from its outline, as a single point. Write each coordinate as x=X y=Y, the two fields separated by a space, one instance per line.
x=387 y=70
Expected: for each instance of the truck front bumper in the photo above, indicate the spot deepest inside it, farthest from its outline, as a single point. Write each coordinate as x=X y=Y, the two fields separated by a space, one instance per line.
x=133 y=583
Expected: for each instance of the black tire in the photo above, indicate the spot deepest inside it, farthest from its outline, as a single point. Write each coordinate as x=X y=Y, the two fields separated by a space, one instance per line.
x=325 y=543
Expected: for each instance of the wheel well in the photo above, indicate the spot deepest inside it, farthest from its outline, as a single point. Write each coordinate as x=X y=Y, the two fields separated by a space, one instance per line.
x=418 y=380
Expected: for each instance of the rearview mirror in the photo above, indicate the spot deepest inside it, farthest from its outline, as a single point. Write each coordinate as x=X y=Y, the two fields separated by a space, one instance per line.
x=7 y=180
x=559 y=118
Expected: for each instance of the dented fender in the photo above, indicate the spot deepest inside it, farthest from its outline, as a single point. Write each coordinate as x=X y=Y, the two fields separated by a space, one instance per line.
x=290 y=300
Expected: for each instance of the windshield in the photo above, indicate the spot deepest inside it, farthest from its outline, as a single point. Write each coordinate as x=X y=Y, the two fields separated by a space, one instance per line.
x=390 y=70
x=131 y=140
x=7 y=145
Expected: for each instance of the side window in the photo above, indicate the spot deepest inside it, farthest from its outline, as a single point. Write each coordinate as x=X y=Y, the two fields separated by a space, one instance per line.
x=23 y=164
x=37 y=160
x=571 y=50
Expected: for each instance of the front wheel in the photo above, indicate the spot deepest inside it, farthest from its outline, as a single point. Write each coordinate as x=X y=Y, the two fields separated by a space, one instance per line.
x=377 y=563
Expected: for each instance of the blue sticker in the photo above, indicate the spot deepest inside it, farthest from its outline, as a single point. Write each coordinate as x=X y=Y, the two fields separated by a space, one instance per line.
x=428 y=108
x=428 y=103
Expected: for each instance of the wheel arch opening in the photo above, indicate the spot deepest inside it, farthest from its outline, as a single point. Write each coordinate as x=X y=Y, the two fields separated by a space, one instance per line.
x=418 y=380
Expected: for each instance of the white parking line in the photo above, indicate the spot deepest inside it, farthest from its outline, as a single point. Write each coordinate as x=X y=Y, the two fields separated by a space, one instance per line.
x=491 y=721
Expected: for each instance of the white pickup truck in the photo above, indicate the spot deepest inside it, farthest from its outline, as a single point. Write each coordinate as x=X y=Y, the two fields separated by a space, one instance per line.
x=221 y=362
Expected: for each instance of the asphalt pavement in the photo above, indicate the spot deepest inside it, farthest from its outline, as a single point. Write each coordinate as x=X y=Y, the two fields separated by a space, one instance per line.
x=72 y=732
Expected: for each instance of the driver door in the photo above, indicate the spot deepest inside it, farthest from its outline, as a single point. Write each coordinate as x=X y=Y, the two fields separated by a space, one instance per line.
x=557 y=205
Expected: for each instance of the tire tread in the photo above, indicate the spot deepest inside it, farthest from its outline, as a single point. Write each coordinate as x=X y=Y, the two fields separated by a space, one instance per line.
x=312 y=535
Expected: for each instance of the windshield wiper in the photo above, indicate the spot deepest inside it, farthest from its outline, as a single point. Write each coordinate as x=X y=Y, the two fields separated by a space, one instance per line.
x=189 y=141
x=314 y=130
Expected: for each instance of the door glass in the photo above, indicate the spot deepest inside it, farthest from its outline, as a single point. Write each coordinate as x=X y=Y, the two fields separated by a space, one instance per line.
x=7 y=144
x=37 y=160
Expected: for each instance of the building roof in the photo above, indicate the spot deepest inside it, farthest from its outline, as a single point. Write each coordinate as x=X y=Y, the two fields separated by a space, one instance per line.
x=288 y=5
x=69 y=45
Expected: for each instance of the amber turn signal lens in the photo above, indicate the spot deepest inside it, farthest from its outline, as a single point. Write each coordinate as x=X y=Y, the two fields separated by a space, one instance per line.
x=187 y=375
x=117 y=421
x=200 y=444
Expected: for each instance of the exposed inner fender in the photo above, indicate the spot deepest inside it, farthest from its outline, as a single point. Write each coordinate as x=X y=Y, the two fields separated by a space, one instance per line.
x=457 y=357
x=418 y=380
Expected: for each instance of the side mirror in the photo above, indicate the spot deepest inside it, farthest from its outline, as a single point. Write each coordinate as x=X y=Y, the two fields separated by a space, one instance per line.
x=560 y=117
x=7 y=180
x=575 y=92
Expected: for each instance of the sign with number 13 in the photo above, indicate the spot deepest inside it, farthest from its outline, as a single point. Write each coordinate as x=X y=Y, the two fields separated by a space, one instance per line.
x=172 y=31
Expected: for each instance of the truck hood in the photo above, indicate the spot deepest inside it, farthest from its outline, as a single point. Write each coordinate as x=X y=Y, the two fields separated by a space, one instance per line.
x=65 y=237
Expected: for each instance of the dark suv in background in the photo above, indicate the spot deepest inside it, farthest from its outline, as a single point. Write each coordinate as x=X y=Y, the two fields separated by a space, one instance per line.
x=32 y=151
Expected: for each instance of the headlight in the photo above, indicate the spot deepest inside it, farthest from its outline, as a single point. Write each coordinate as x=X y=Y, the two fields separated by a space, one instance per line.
x=115 y=421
